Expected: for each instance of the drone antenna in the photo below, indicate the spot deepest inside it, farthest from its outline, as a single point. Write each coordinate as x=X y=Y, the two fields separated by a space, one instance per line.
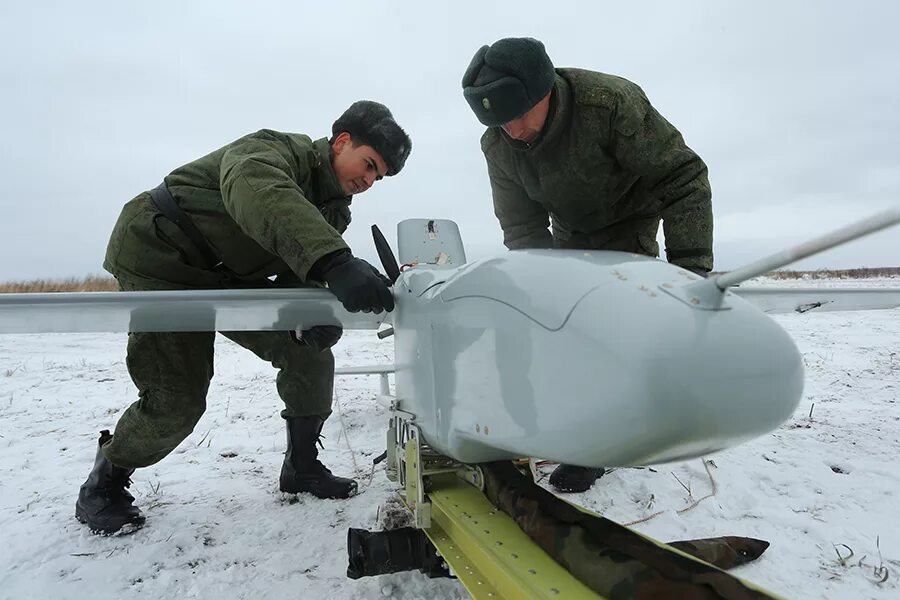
x=840 y=236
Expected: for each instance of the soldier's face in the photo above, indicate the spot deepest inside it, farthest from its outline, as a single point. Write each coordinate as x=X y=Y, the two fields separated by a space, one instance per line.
x=528 y=127
x=357 y=167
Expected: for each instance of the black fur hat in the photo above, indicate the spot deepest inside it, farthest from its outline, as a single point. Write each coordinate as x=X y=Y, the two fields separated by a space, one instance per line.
x=372 y=124
x=505 y=80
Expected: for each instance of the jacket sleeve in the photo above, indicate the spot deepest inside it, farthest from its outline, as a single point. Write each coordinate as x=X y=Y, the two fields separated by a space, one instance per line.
x=525 y=223
x=646 y=144
x=260 y=192
x=337 y=213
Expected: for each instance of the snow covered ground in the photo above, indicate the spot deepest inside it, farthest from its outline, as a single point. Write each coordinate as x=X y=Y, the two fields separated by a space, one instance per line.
x=824 y=483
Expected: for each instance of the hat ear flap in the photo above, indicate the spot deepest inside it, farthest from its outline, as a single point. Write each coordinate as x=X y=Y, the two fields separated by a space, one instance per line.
x=474 y=67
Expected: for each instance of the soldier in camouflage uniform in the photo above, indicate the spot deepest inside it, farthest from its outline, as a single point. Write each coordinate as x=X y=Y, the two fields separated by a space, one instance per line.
x=269 y=206
x=581 y=160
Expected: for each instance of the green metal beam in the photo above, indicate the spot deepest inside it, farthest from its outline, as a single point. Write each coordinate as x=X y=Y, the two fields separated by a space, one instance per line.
x=488 y=552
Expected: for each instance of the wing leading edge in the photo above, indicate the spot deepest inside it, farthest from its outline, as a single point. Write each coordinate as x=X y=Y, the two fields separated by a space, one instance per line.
x=285 y=309
x=178 y=310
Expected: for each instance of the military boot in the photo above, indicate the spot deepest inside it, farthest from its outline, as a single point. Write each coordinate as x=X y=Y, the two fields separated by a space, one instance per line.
x=104 y=504
x=302 y=471
x=569 y=478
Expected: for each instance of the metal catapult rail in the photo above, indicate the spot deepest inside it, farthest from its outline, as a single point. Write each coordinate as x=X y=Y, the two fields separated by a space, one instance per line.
x=485 y=548
x=465 y=510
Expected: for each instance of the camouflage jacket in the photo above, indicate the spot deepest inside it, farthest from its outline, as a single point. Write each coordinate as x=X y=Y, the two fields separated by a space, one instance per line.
x=604 y=172
x=267 y=204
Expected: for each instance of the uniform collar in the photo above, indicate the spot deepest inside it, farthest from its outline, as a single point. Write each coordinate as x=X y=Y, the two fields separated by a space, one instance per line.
x=328 y=187
x=557 y=119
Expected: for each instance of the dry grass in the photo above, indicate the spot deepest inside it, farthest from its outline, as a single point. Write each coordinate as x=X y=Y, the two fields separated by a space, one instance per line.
x=837 y=273
x=864 y=273
x=92 y=283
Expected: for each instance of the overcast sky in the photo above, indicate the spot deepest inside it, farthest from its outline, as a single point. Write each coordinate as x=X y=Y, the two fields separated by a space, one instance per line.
x=795 y=107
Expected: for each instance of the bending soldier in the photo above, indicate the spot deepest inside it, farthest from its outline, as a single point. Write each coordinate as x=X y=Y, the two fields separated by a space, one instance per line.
x=579 y=159
x=268 y=206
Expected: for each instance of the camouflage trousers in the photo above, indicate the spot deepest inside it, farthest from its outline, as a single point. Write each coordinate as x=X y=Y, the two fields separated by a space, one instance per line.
x=172 y=372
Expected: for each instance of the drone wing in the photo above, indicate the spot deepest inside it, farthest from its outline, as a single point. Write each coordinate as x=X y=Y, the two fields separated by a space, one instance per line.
x=179 y=310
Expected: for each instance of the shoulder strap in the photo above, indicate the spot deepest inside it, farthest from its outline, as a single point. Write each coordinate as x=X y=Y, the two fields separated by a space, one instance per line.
x=164 y=201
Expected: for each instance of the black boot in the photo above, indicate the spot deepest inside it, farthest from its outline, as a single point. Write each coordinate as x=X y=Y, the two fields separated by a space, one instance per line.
x=103 y=502
x=569 y=478
x=302 y=471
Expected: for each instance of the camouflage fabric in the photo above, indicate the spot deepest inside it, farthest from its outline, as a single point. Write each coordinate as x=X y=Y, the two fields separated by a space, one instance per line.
x=612 y=560
x=726 y=552
x=604 y=172
x=172 y=373
x=268 y=204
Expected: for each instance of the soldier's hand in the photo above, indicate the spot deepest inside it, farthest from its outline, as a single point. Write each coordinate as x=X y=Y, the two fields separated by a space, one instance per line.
x=360 y=286
x=319 y=337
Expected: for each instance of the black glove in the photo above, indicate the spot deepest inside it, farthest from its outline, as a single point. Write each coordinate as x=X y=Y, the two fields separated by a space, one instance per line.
x=357 y=284
x=319 y=337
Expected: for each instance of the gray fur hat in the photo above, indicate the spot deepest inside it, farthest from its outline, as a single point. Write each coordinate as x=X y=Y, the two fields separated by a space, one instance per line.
x=505 y=80
x=372 y=124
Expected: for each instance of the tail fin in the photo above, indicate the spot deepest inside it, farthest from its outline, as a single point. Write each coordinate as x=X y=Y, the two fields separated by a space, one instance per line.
x=430 y=241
